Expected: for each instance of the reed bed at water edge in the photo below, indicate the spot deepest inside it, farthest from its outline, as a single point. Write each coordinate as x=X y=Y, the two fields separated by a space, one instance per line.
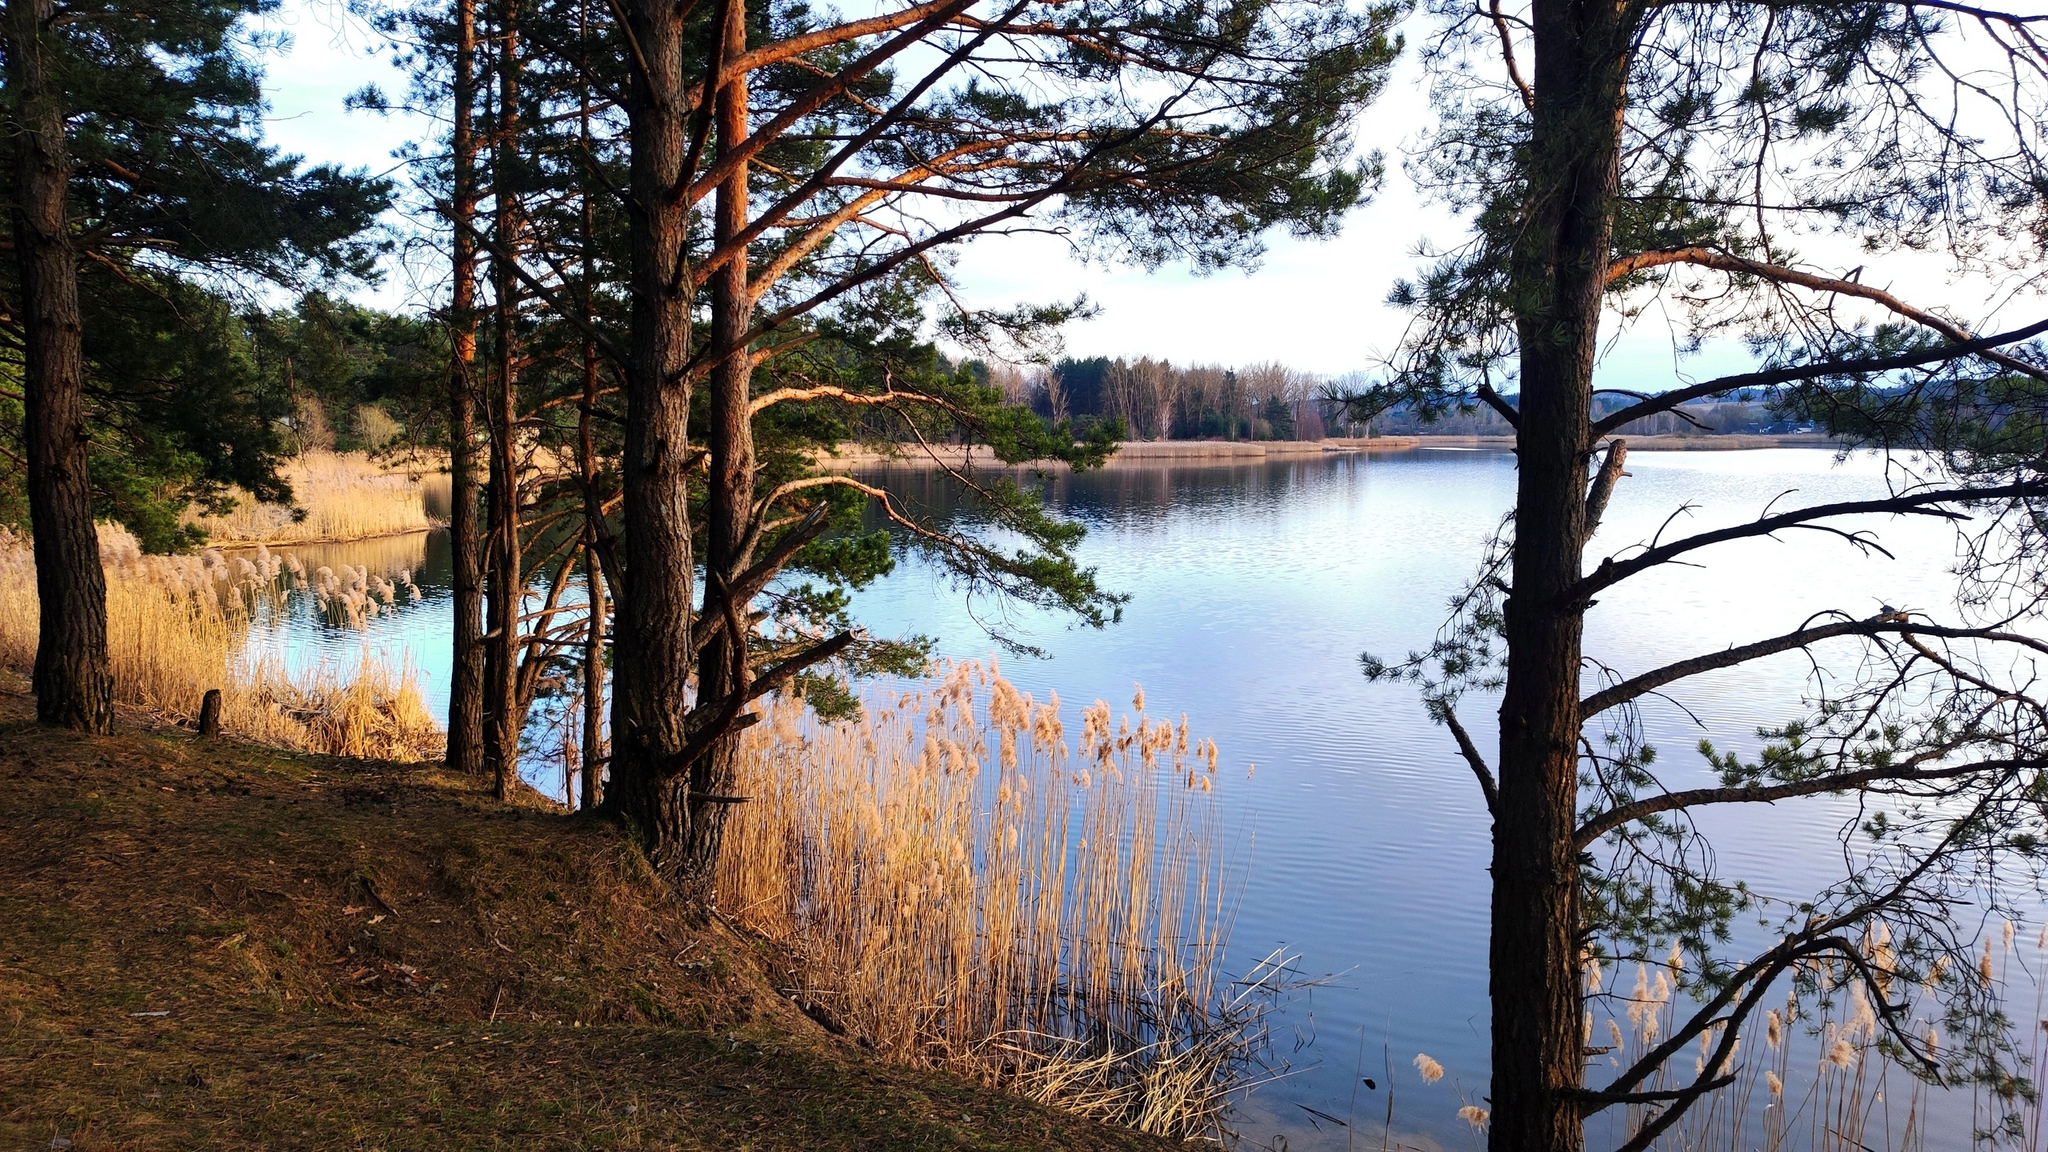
x=178 y=625
x=335 y=496
x=961 y=888
x=1815 y=1073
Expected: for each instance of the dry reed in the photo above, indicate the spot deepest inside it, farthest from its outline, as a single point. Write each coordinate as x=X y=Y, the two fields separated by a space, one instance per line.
x=960 y=889
x=1819 y=1076
x=335 y=496
x=178 y=625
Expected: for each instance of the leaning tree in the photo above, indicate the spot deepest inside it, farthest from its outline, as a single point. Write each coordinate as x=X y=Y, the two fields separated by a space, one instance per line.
x=1611 y=156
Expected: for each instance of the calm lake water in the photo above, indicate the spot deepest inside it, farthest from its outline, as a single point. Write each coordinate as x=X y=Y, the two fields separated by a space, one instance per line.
x=1254 y=589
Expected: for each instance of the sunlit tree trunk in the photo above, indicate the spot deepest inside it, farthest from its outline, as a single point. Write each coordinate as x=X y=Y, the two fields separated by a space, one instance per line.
x=1558 y=274
x=466 y=683
x=73 y=684
x=593 y=682
x=722 y=666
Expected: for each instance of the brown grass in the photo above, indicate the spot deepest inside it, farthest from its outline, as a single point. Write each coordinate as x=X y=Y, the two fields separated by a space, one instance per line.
x=207 y=944
x=336 y=496
x=177 y=626
x=962 y=890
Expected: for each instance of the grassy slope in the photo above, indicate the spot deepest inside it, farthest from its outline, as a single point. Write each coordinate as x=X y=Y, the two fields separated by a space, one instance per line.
x=207 y=944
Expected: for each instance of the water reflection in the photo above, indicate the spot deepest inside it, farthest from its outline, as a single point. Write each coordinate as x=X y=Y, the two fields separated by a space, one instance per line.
x=1254 y=588
x=303 y=635
x=1254 y=591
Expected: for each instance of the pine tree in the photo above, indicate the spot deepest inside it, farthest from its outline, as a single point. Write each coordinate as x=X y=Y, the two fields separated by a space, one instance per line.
x=136 y=159
x=1605 y=151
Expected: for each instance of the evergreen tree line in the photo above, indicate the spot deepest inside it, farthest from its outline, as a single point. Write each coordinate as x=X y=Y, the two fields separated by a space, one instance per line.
x=1150 y=399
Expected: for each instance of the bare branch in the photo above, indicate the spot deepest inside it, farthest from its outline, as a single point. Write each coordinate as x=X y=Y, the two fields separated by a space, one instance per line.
x=1895 y=623
x=1778 y=273
x=1507 y=52
x=1771 y=378
x=810 y=657
x=1470 y=751
x=1498 y=404
x=1613 y=818
x=1924 y=503
x=1604 y=481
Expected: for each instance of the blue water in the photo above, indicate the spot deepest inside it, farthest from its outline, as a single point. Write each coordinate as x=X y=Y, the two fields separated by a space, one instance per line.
x=1364 y=842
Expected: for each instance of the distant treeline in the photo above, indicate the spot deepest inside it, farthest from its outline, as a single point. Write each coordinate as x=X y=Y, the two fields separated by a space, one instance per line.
x=1158 y=400
x=1755 y=417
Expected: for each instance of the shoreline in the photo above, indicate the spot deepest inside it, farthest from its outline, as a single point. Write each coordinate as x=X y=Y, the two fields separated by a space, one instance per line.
x=1200 y=452
x=516 y=944
x=1729 y=442
x=1141 y=453
x=321 y=541
x=850 y=456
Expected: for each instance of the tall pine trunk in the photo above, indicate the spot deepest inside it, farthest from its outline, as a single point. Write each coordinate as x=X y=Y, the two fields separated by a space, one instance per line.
x=593 y=681
x=73 y=683
x=722 y=667
x=1558 y=274
x=586 y=461
x=502 y=724
x=651 y=646
x=466 y=685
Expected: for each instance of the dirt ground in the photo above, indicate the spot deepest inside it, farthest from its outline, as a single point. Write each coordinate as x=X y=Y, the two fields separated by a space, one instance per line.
x=213 y=945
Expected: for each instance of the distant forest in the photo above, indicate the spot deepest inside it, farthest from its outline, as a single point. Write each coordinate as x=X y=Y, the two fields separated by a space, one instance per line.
x=1158 y=400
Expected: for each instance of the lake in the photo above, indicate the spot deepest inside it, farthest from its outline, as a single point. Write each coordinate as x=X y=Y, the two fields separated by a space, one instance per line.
x=1254 y=589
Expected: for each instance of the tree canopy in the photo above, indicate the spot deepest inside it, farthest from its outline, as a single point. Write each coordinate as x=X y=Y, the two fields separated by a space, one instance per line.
x=179 y=212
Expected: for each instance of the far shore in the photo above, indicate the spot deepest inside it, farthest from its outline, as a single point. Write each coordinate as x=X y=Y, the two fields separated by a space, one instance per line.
x=324 y=541
x=1154 y=452
x=1729 y=442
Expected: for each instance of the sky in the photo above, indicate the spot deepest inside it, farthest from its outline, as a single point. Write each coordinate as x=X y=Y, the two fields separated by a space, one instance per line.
x=1315 y=305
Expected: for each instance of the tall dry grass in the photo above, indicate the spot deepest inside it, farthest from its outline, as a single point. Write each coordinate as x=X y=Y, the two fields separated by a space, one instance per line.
x=336 y=496
x=178 y=625
x=960 y=888
x=1816 y=1073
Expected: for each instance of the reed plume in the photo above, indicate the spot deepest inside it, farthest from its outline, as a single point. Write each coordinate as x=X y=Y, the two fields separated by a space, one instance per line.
x=178 y=625
x=959 y=887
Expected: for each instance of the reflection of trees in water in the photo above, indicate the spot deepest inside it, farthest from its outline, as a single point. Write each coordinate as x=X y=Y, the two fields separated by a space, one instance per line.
x=384 y=556
x=1140 y=492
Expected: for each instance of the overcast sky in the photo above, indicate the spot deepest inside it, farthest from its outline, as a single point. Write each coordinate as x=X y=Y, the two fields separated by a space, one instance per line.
x=1314 y=305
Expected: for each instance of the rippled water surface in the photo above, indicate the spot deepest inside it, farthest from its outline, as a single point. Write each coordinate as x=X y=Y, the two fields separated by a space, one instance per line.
x=1253 y=591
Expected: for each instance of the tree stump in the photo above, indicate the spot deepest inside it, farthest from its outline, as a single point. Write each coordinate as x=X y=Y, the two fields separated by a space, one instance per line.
x=209 y=713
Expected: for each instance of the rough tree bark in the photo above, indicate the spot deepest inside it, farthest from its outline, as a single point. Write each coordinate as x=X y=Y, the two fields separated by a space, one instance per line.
x=730 y=437
x=593 y=682
x=466 y=684
x=1557 y=275
x=651 y=648
x=73 y=683
x=501 y=725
